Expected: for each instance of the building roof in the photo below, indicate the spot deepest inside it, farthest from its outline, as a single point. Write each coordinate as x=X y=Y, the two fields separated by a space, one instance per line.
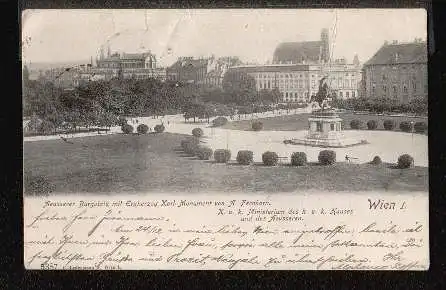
x=270 y=68
x=295 y=52
x=415 y=52
x=134 y=56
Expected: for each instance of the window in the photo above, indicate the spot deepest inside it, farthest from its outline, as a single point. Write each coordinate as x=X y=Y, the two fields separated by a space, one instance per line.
x=332 y=127
x=269 y=84
x=319 y=126
x=353 y=94
x=395 y=91
x=414 y=85
x=405 y=89
x=347 y=94
x=384 y=77
x=340 y=94
x=373 y=88
x=286 y=95
x=384 y=89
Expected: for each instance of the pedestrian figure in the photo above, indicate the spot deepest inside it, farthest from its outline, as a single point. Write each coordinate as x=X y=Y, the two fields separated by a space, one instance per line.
x=347 y=158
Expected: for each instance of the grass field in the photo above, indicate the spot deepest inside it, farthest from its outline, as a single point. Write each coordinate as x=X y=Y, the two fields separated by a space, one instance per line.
x=300 y=122
x=149 y=163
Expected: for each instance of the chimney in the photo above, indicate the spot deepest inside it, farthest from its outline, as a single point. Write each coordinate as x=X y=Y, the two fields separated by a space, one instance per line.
x=395 y=42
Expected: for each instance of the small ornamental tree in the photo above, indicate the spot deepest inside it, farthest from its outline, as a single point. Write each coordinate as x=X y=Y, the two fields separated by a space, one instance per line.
x=270 y=158
x=406 y=126
x=372 y=124
x=197 y=132
x=298 y=159
x=203 y=152
x=159 y=128
x=257 y=126
x=405 y=161
x=356 y=124
x=127 y=128
x=420 y=127
x=219 y=121
x=327 y=157
x=376 y=160
x=222 y=155
x=389 y=125
x=142 y=129
x=245 y=157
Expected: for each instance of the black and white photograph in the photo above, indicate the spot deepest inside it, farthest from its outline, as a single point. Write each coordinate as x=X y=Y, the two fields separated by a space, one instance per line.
x=243 y=100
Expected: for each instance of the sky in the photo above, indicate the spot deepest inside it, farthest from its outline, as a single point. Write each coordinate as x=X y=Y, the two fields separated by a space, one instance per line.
x=252 y=34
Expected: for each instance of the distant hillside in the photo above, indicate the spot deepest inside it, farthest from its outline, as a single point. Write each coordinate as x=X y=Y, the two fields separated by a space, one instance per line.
x=50 y=65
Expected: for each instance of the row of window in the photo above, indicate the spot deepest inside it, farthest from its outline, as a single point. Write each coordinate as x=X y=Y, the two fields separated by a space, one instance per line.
x=395 y=88
x=347 y=94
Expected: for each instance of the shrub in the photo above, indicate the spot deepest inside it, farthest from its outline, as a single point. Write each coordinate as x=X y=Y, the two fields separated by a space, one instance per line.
x=190 y=146
x=142 y=129
x=405 y=161
x=270 y=158
x=122 y=121
x=257 y=126
x=389 y=124
x=127 y=128
x=159 y=128
x=197 y=132
x=420 y=127
x=219 y=121
x=406 y=126
x=222 y=155
x=356 y=124
x=46 y=127
x=372 y=124
x=298 y=159
x=327 y=157
x=203 y=152
x=376 y=160
x=245 y=157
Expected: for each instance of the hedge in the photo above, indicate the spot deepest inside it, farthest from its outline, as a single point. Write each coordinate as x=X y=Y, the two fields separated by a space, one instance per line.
x=203 y=152
x=159 y=128
x=245 y=157
x=197 y=132
x=327 y=157
x=257 y=126
x=190 y=146
x=376 y=160
x=222 y=155
x=405 y=161
x=420 y=127
x=372 y=124
x=298 y=158
x=270 y=158
x=142 y=129
x=389 y=124
x=219 y=121
x=356 y=124
x=127 y=128
x=406 y=126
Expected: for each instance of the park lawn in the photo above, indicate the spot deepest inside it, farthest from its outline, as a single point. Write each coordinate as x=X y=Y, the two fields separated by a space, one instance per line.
x=154 y=163
x=300 y=122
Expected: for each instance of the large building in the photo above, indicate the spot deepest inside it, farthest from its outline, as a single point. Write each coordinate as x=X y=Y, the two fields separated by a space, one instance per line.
x=299 y=66
x=217 y=68
x=188 y=69
x=299 y=82
x=398 y=71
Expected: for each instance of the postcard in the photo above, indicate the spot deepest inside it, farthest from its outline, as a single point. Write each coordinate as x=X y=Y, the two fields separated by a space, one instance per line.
x=225 y=139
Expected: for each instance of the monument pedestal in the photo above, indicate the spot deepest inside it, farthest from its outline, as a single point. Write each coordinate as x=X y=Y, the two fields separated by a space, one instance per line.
x=325 y=130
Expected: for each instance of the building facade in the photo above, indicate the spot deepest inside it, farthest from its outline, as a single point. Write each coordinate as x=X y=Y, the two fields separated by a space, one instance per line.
x=397 y=71
x=188 y=69
x=217 y=68
x=299 y=82
x=124 y=65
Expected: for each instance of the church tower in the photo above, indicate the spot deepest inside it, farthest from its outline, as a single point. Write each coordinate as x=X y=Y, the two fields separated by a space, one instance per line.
x=325 y=45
